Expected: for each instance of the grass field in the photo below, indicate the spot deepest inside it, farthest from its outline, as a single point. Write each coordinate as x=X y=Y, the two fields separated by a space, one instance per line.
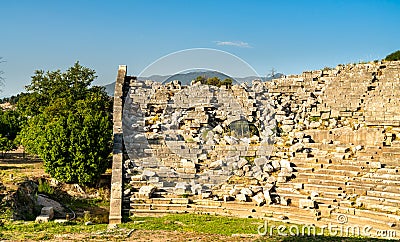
x=184 y=227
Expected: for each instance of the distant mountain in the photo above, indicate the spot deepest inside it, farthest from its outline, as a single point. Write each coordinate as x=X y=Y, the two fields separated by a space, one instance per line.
x=186 y=78
x=110 y=89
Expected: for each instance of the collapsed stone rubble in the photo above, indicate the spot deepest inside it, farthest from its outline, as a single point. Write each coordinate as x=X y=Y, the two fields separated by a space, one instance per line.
x=325 y=141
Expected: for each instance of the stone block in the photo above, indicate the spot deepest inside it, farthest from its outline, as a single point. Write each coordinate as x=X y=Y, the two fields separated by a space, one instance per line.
x=147 y=191
x=306 y=203
x=259 y=199
x=246 y=191
x=261 y=161
x=42 y=219
x=241 y=197
x=48 y=211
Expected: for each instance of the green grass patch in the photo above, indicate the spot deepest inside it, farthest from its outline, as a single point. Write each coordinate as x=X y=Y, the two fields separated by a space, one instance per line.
x=42 y=231
x=197 y=223
x=210 y=224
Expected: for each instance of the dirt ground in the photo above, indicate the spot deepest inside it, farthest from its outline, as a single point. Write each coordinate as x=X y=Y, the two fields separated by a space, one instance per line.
x=16 y=167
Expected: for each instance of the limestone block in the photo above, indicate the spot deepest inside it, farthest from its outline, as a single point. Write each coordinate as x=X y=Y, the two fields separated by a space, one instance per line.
x=256 y=189
x=285 y=163
x=306 y=203
x=48 y=211
x=196 y=189
x=342 y=149
x=231 y=140
x=246 y=168
x=42 y=219
x=296 y=147
x=325 y=116
x=238 y=172
x=284 y=201
x=241 y=197
x=205 y=195
x=148 y=173
x=375 y=164
x=246 y=191
x=259 y=199
x=267 y=196
x=281 y=178
x=299 y=135
x=234 y=191
x=314 y=194
x=261 y=161
x=314 y=125
x=188 y=164
x=268 y=168
x=271 y=180
x=215 y=165
x=287 y=128
x=147 y=191
x=276 y=164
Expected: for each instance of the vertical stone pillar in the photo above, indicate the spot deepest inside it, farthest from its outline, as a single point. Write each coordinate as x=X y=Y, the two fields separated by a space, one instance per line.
x=115 y=216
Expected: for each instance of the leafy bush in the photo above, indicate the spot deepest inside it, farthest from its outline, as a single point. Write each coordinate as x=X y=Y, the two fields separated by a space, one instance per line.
x=45 y=188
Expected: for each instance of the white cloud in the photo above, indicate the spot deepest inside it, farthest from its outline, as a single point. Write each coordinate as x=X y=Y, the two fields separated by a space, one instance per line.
x=234 y=43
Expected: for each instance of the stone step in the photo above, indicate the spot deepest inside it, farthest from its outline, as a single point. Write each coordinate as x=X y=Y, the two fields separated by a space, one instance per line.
x=381 y=204
x=369 y=180
x=322 y=188
x=389 y=218
x=303 y=169
x=147 y=212
x=383 y=176
x=389 y=195
x=206 y=202
x=359 y=189
x=344 y=167
x=337 y=172
x=387 y=188
x=323 y=200
x=326 y=182
x=156 y=206
x=160 y=200
x=321 y=176
x=362 y=221
x=335 y=195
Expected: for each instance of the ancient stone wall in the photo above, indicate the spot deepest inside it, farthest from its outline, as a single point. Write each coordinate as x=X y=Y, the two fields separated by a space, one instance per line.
x=324 y=142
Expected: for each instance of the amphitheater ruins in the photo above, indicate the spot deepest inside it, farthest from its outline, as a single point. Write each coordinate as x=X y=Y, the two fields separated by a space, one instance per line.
x=316 y=148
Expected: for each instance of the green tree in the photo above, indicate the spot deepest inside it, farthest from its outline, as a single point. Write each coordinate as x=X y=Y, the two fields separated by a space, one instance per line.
x=213 y=81
x=201 y=79
x=69 y=124
x=395 y=56
x=227 y=82
x=10 y=126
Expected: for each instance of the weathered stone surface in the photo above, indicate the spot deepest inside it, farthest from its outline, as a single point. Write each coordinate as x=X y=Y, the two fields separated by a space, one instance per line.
x=241 y=197
x=147 y=191
x=306 y=203
x=242 y=162
x=246 y=191
x=259 y=199
x=261 y=161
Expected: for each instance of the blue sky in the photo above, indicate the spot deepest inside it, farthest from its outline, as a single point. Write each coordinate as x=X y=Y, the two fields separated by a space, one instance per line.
x=290 y=36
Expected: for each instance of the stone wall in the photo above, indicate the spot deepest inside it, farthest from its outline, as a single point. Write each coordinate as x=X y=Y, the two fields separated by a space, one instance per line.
x=327 y=140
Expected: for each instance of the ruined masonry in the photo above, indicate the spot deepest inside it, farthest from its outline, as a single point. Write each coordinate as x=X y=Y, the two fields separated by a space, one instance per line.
x=304 y=148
